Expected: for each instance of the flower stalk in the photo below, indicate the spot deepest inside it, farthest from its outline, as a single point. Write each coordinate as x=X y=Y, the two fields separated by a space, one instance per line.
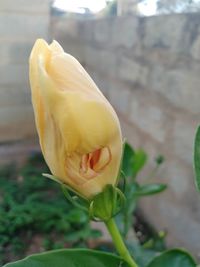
x=119 y=243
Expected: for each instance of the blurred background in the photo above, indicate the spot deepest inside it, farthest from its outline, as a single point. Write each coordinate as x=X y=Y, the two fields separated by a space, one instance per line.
x=145 y=57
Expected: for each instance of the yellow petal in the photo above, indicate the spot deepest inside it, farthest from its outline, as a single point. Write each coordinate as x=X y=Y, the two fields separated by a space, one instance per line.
x=78 y=129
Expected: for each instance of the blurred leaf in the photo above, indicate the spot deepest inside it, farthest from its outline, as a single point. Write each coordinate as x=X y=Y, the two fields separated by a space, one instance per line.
x=197 y=159
x=70 y=258
x=141 y=255
x=30 y=206
x=82 y=234
x=173 y=258
x=133 y=161
x=127 y=162
x=139 y=160
x=159 y=159
x=157 y=242
x=150 y=189
x=77 y=216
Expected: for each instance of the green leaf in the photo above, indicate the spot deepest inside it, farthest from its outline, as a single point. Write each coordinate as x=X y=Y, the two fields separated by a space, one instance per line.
x=133 y=161
x=70 y=258
x=150 y=189
x=127 y=162
x=139 y=160
x=173 y=258
x=142 y=256
x=197 y=159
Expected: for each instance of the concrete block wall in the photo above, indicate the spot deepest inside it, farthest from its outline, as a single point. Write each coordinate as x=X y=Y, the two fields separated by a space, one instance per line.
x=21 y=23
x=149 y=70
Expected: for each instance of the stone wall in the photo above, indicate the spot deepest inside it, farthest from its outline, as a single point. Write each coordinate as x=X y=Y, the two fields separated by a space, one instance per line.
x=149 y=68
x=21 y=22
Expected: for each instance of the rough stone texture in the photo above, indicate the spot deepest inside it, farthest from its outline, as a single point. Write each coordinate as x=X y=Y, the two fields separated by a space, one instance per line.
x=177 y=85
x=133 y=72
x=122 y=35
x=21 y=23
x=168 y=36
x=183 y=133
x=149 y=117
x=15 y=52
x=196 y=49
x=149 y=68
x=23 y=27
x=102 y=32
x=120 y=96
x=36 y=6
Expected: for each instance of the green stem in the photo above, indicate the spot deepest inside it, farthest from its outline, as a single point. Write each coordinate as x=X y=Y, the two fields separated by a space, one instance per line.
x=119 y=243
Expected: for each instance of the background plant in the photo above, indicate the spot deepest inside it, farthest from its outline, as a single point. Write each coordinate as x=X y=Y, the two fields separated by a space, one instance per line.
x=132 y=164
x=32 y=206
x=149 y=242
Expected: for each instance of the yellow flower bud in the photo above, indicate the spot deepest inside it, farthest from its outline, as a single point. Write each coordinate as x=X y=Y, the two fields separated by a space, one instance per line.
x=79 y=131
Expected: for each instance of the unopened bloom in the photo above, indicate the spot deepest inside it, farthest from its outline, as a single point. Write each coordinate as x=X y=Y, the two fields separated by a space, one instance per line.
x=79 y=131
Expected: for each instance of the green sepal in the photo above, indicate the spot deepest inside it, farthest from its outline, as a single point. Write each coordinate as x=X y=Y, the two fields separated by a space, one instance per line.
x=52 y=177
x=76 y=201
x=106 y=204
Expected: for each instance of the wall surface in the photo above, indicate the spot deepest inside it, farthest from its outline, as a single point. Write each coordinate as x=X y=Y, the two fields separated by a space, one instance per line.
x=149 y=68
x=21 y=22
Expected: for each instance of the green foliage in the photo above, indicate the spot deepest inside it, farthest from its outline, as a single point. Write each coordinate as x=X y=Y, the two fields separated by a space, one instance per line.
x=132 y=164
x=197 y=159
x=70 y=258
x=156 y=242
x=31 y=205
x=133 y=161
x=142 y=255
x=90 y=258
x=169 y=258
x=149 y=189
x=173 y=258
